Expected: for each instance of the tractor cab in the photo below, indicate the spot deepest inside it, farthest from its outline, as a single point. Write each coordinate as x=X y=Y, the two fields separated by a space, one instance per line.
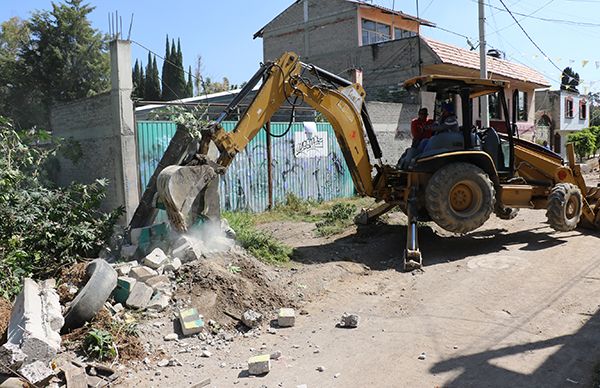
x=466 y=141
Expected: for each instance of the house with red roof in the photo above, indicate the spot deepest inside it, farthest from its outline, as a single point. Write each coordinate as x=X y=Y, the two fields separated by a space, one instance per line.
x=382 y=48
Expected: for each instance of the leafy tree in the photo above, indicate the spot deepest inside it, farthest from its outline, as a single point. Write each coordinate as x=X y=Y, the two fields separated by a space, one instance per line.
x=43 y=227
x=569 y=80
x=15 y=85
x=152 y=83
x=65 y=58
x=584 y=142
x=594 y=99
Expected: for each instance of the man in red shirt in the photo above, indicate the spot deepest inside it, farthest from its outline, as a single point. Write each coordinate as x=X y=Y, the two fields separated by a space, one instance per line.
x=420 y=128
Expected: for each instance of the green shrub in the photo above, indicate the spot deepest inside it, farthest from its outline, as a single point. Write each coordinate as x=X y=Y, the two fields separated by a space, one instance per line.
x=584 y=142
x=261 y=244
x=336 y=220
x=596 y=132
x=43 y=227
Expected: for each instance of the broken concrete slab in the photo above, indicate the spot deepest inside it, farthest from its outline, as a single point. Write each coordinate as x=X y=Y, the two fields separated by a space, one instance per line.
x=34 y=325
x=155 y=259
x=142 y=273
x=259 y=365
x=187 y=249
x=251 y=318
x=159 y=302
x=38 y=373
x=140 y=296
x=124 y=286
x=11 y=358
x=191 y=322
x=286 y=317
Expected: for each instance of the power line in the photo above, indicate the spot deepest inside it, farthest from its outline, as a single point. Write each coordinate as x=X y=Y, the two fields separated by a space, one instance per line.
x=529 y=37
x=524 y=17
x=563 y=21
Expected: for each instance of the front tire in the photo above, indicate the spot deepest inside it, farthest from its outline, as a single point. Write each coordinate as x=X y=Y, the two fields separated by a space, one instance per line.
x=460 y=197
x=565 y=205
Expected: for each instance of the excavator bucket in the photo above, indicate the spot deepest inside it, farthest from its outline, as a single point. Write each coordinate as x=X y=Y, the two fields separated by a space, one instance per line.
x=189 y=193
x=593 y=199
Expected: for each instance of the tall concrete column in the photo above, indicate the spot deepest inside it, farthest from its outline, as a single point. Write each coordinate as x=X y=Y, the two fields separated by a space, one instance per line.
x=123 y=127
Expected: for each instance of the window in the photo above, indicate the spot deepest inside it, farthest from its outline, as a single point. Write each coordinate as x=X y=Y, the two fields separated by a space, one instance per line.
x=582 y=109
x=399 y=33
x=569 y=107
x=493 y=106
x=522 y=109
x=373 y=32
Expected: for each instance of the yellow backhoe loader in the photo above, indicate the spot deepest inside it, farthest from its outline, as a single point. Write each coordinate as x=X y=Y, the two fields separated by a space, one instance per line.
x=458 y=181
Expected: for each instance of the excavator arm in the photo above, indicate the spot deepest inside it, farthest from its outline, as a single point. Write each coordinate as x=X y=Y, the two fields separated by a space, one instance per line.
x=339 y=101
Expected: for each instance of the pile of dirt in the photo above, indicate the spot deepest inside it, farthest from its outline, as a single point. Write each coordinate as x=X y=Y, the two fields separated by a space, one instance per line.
x=226 y=284
x=5 y=310
x=69 y=277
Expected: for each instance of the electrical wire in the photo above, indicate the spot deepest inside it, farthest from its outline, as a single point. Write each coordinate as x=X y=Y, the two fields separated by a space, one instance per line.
x=529 y=37
x=563 y=21
x=525 y=17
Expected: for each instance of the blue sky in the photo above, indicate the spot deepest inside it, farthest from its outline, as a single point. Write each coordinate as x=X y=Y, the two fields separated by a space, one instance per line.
x=221 y=31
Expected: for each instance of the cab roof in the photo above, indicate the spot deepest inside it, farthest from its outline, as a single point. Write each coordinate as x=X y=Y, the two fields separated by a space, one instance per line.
x=453 y=84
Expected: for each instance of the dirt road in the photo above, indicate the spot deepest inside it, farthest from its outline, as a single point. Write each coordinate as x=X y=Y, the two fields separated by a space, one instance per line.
x=511 y=305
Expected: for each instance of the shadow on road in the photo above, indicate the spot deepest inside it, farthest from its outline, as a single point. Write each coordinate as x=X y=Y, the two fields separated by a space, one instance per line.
x=381 y=246
x=573 y=364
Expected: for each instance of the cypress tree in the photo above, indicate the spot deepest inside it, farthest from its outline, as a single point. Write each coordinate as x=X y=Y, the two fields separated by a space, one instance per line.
x=151 y=84
x=166 y=76
x=189 y=86
x=179 y=82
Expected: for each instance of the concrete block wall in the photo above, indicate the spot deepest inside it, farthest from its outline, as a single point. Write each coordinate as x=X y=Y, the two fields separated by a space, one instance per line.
x=102 y=127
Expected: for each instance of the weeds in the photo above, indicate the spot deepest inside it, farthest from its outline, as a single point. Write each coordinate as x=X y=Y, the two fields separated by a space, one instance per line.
x=261 y=244
x=99 y=344
x=336 y=220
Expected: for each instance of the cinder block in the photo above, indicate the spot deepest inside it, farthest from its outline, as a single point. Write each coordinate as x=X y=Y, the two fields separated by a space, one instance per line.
x=259 y=365
x=157 y=282
x=124 y=287
x=140 y=296
x=147 y=236
x=173 y=265
x=142 y=273
x=286 y=317
x=155 y=259
x=191 y=322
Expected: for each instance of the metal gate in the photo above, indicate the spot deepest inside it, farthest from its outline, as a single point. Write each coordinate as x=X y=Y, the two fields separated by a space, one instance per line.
x=321 y=176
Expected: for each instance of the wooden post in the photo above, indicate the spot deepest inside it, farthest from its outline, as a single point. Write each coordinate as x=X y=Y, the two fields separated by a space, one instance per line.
x=269 y=165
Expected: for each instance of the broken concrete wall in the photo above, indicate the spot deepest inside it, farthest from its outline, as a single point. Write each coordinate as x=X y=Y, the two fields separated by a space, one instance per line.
x=103 y=135
x=34 y=330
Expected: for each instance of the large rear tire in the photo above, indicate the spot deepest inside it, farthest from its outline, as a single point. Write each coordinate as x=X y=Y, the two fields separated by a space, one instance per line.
x=460 y=197
x=564 y=207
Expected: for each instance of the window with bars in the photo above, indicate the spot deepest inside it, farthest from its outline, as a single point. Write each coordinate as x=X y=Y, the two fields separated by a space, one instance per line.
x=569 y=107
x=374 y=32
x=582 y=110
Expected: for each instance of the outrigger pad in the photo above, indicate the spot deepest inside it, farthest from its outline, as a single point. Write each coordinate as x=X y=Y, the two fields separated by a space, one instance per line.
x=189 y=192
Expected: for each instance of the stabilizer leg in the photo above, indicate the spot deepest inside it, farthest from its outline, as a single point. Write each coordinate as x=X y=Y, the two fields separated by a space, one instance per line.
x=412 y=254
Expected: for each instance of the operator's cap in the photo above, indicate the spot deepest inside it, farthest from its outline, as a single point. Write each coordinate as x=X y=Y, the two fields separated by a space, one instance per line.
x=448 y=107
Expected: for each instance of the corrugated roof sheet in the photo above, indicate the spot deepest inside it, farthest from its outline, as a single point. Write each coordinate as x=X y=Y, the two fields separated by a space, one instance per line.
x=470 y=59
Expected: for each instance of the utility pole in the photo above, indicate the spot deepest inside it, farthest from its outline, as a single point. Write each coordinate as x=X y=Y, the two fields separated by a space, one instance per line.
x=483 y=100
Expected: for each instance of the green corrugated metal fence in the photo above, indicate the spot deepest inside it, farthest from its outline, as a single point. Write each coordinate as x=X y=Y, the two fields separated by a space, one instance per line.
x=245 y=186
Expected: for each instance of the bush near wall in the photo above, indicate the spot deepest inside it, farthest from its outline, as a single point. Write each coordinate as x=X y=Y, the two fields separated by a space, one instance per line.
x=43 y=227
